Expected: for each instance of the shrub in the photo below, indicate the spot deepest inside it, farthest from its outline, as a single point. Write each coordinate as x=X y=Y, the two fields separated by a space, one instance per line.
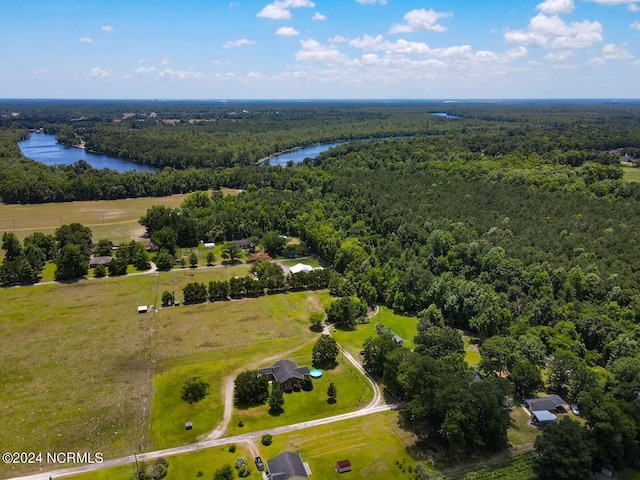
x=194 y=390
x=267 y=440
x=232 y=447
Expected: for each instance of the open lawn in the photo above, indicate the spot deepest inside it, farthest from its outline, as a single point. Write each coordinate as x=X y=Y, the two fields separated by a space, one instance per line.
x=352 y=341
x=375 y=445
x=354 y=392
x=516 y=467
x=631 y=174
x=471 y=352
x=521 y=431
x=116 y=220
x=183 y=466
x=77 y=359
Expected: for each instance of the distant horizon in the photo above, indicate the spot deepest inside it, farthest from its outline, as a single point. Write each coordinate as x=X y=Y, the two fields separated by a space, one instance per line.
x=310 y=100
x=320 y=49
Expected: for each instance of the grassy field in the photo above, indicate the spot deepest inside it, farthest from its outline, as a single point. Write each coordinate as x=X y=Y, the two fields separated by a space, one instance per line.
x=77 y=359
x=631 y=174
x=116 y=220
x=184 y=466
x=517 y=467
x=352 y=341
x=354 y=392
x=373 y=445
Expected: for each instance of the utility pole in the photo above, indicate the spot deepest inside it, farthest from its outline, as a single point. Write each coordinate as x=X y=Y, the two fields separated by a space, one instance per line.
x=136 y=459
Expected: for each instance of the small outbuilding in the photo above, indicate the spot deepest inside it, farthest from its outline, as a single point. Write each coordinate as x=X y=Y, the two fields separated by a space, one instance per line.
x=143 y=309
x=542 y=418
x=343 y=466
x=209 y=245
x=301 y=267
x=188 y=426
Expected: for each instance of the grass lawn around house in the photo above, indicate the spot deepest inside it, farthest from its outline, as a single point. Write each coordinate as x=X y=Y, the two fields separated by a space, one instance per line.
x=91 y=357
x=354 y=392
x=183 y=466
x=375 y=445
x=521 y=431
x=353 y=340
x=471 y=352
x=312 y=262
x=631 y=174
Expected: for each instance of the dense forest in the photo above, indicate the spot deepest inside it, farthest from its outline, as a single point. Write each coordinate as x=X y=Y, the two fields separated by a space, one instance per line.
x=512 y=223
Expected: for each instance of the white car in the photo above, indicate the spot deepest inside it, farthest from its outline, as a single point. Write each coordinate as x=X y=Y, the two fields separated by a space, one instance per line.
x=575 y=409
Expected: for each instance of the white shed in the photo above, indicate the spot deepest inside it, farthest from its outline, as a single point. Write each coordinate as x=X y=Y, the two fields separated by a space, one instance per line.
x=142 y=309
x=209 y=246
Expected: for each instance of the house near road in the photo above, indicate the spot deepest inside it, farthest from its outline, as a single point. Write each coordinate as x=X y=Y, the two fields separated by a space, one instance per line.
x=287 y=466
x=243 y=243
x=95 y=261
x=550 y=403
x=286 y=372
x=301 y=267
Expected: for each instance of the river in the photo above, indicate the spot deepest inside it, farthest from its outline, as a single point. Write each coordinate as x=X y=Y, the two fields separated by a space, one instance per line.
x=44 y=148
x=299 y=154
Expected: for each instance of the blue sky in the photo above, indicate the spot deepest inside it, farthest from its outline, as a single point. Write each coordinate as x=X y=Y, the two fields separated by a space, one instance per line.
x=304 y=49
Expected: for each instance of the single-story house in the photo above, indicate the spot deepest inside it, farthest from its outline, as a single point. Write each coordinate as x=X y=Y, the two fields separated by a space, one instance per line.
x=95 y=261
x=286 y=372
x=287 y=466
x=550 y=403
x=301 y=267
x=243 y=243
x=542 y=418
x=343 y=466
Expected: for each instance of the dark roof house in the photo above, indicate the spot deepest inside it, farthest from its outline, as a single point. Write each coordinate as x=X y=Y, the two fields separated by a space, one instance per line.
x=551 y=403
x=286 y=466
x=285 y=372
x=95 y=261
x=243 y=243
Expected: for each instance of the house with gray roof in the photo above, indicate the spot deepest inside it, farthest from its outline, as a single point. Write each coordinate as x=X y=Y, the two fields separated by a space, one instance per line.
x=286 y=466
x=550 y=403
x=286 y=372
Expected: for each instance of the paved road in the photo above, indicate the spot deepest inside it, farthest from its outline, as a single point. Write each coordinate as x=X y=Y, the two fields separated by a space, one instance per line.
x=375 y=406
x=55 y=474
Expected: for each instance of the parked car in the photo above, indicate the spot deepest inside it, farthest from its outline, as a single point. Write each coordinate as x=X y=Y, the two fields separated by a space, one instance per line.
x=575 y=409
x=259 y=464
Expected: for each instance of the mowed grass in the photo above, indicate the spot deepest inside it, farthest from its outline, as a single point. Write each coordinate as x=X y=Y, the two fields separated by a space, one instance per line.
x=352 y=341
x=183 y=466
x=77 y=359
x=353 y=389
x=373 y=444
x=116 y=220
x=521 y=431
x=631 y=174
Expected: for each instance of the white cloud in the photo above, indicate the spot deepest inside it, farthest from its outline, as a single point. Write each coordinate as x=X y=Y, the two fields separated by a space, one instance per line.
x=139 y=72
x=287 y=32
x=166 y=61
x=243 y=42
x=144 y=60
x=107 y=28
x=632 y=5
x=635 y=25
x=180 y=75
x=338 y=39
x=318 y=16
x=552 y=32
x=381 y=2
x=554 y=7
x=419 y=20
x=611 y=52
x=279 y=10
x=86 y=40
x=314 y=52
x=558 y=56
x=98 y=72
